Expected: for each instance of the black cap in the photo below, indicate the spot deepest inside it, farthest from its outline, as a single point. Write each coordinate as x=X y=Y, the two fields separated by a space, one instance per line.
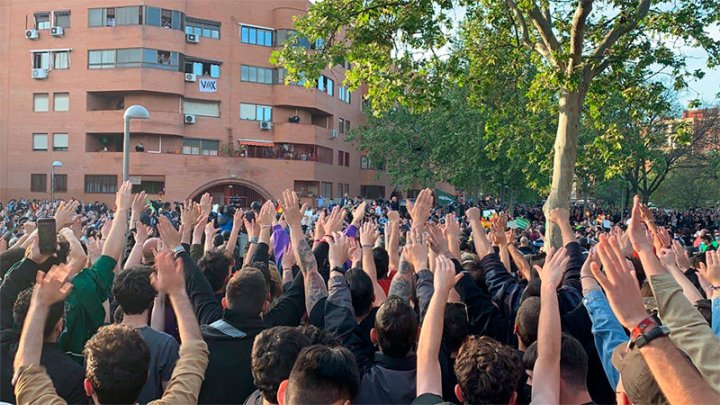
x=256 y=205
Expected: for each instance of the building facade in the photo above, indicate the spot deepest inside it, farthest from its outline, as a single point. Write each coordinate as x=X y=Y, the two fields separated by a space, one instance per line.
x=221 y=119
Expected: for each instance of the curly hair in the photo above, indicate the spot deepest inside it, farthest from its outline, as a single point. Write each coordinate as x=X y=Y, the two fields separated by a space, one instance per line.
x=274 y=352
x=22 y=306
x=116 y=363
x=487 y=371
x=133 y=291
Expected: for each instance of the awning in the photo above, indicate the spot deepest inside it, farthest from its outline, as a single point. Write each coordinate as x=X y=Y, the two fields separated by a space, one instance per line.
x=444 y=198
x=256 y=142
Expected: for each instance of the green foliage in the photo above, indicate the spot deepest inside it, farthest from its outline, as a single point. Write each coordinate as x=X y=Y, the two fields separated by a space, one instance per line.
x=694 y=185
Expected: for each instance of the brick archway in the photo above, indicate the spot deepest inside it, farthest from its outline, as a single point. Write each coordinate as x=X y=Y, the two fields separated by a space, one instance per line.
x=232 y=191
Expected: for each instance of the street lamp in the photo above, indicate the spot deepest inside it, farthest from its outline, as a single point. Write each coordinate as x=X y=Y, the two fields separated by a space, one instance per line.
x=55 y=164
x=133 y=112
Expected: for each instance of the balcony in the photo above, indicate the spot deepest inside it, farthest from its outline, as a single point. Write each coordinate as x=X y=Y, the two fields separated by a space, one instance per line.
x=300 y=133
x=312 y=99
x=112 y=121
x=135 y=80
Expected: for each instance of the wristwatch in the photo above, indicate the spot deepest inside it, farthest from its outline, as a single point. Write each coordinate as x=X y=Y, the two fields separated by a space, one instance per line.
x=647 y=331
x=177 y=250
x=339 y=269
x=254 y=239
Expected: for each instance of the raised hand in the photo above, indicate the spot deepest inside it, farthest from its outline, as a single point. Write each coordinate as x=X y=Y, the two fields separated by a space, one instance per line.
x=663 y=237
x=33 y=252
x=105 y=229
x=124 y=197
x=199 y=228
x=64 y=214
x=288 y=259
x=444 y=278
x=290 y=204
x=142 y=232
x=368 y=234
x=205 y=204
x=320 y=227
x=169 y=277
x=619 y=282
x=238 y=218
x=554 y=268
x=267 y=214
x=210 y=230
x=499 y=230
x=711 y=270
x=558 y=216
x=189 y=214
x=95 y=248
x=636 y=231
x=251 y=227
x=334 y=222
x=623 y=240
x=169 y=235
x=359 y=213
x=667 y=257
x=29 y=227
x=646 y=214
x=393 y=216
x=420 y=210
x=681 y=257
x=76 y=226
x=438 y=242
x=338 y=251
x=138 y=204
x=452 y=226
x=415 y=251
x=52 y=287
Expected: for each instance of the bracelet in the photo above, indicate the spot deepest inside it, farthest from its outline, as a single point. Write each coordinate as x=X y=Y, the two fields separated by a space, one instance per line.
x=177 y=249
x=582 y=277
x=714 y=287
x=366 y=246
x=254 y=239
x=266 y=226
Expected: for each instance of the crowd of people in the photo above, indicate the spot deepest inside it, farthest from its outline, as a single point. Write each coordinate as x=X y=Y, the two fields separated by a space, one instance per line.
x=357 y=301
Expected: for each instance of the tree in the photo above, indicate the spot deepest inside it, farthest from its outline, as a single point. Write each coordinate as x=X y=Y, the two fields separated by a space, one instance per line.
x=401 y=48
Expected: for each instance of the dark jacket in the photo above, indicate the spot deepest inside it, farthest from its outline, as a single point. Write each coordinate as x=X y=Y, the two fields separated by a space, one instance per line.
x=228 y=379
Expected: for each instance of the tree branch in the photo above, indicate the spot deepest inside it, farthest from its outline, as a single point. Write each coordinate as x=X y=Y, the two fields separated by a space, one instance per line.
x=525 y=33
x=577 y=35
x=546 y=33
x=621 y=28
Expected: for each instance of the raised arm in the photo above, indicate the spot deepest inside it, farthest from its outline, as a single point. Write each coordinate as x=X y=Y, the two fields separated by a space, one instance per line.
x=546 y=373
x=501 y=240
x=393 y=240
x=189 y=215
x=420 y=210
x=315 y=288
x=368 y=236
x=429 y=378
x=232 y=240
x=142 y=233
x=115 y=242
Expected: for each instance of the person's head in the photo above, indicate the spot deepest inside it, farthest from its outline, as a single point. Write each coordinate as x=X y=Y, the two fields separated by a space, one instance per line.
x=321 y=375
x=361 y=291
x=524 y=241
x=457 y=326
x=526 y=321
x=9 y=257
x=487 y=372
x=476 y=271
x=147 y=251
x=319 y=336
x=133 y=291
x=53 y=323
x=116 y=365
x=274 y=353
x=573 y=365
x=216 y=268
x=396 y=328
x=247 y=292
x=382 y=262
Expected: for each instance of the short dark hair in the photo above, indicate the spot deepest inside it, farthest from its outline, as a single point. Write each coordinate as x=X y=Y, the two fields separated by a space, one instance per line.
x=487 y=371
x=573 y=361
x=9 y=257
x=361 y=291
x=116 y=363
x=215 y=266
x=382 y=262
x=319 y=336
x=526 y=320
x=132 y=289
x=396 y=326
x=274 y=352
x=323 y=375
x=477 y=272
x=247 y=291
x=457 y=327
x=22 y=306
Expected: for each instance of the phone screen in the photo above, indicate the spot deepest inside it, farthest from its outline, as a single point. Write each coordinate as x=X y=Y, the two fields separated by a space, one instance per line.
x=47 y=235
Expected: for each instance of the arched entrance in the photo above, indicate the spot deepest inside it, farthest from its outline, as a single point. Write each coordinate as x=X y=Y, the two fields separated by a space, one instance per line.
x=232 y=192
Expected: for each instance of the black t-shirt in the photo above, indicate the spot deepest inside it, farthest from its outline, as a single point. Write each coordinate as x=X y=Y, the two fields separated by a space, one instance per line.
x=429 y=399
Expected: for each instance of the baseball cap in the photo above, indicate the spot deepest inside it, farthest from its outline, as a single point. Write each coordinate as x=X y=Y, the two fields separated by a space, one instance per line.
x=639 y=383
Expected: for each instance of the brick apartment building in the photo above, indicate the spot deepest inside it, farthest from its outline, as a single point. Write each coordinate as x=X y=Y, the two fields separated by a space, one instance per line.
x=220 y=118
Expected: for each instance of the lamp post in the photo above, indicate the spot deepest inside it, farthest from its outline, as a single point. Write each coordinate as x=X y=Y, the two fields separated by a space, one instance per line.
x=55 y=164
x=133 y=112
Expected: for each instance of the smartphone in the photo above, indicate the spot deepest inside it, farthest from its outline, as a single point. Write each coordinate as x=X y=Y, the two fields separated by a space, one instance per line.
x=47 y=235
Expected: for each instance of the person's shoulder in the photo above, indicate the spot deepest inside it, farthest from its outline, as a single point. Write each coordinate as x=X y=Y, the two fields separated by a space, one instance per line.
x=157 y=336
x=429 y=399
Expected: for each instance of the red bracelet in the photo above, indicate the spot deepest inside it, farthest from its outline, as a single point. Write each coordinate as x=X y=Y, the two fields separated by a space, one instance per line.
x=640 y=328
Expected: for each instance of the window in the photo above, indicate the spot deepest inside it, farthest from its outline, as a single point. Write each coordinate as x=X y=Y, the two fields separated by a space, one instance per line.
x=341 y=125
x=207 y=29
x=42 y=21
x=62 y=101
x=202 y=108
x=372 y=191
x=306 y=188
x=62 y=19
x=341 y=158
x=326 y=189
x=343 y=188
x=40 y=142
x=347 y=159
x=202 y=68
x=51 y=59
x=344 y=94
x=364 y=162
x=281 y=73
x=324 y=155
x=60 y=142
x=367 y=164
x=347 y=126
x=255 y=112
x=149 y=187
x=133 y=57
x=61 y=60
x=41 y=60
x=206 y=147
x=38 y=183
x=256 y=36
x=104 y=184
x=164 y=18
x=256 y=74
x=40 y=102
x=61 y=183
x=326 y=85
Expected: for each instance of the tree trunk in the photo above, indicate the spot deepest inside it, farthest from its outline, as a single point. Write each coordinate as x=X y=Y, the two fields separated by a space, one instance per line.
x=564 y=158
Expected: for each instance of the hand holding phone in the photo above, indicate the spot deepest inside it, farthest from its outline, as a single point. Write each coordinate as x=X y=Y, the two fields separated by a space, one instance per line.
x=47 y=235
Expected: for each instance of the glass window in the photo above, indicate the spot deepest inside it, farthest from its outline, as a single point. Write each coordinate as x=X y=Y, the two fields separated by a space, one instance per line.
x=108 y=57
x=62 y=60
x=42 y=21
x=40 y=142
x=40 y=102
x=344 y=94
x=60 y=142
x=177 y=20
x=341 y=125
x=191 y=146
x=38 y=183
x=264 y=113
x=330 y=87
x=62 y=19
x=128 y=15
x=202 y=108
x=247 y=111
x=62 y=101
x=206 y=147
x=41 y=60
x=95 y=17
x=364 y=163
x=105 y=184
x=340 y=158
x=149 y=187
x=210 y=147
x=152 y=16
x=256 y=36
x=166 y=18
x=207 y=29
x=109 y=17
x=60 y=183
x=326 y=189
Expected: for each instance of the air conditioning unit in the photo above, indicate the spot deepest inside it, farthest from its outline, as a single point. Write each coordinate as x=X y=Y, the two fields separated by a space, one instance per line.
x=32 y=34
x=190 y=119
x=190 y=77
x=57 y=31
x=265 y=125
x=333 y=133
x=39 y=74
x=192 y=38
